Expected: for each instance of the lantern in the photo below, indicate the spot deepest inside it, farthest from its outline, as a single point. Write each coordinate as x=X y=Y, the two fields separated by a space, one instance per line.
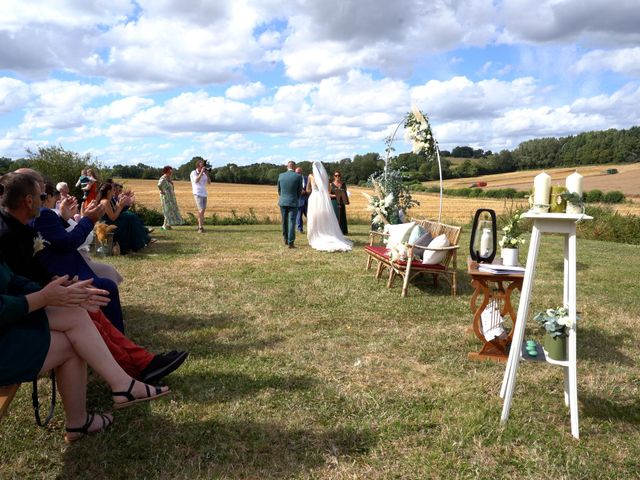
x=483 y=236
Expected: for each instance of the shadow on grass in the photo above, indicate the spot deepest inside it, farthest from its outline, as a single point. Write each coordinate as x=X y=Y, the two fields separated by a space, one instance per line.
x=603 y=346
x=233 y=448
x=209 y=387
x=559 y=266
x=607 y=409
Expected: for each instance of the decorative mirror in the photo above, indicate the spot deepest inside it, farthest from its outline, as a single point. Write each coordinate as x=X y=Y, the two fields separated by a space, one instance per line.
x=483 y=236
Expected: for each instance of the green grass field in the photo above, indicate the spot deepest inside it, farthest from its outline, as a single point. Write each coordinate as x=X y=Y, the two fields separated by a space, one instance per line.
x=303 y=365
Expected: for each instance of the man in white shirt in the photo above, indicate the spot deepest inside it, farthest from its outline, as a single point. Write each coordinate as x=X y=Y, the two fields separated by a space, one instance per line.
x=199 y=181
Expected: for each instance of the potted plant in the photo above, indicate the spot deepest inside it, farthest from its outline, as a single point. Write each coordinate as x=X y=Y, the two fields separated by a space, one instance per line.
x=512 y=239
x=556 y=323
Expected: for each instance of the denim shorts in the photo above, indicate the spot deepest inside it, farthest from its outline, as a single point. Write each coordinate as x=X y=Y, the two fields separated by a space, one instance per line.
x=201 y=202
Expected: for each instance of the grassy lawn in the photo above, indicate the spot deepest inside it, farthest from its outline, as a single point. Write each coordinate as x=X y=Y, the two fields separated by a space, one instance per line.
x=304 y=366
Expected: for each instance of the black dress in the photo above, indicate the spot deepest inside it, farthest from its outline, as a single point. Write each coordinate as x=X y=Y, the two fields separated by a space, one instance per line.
x=24 y=337
x=340 y=205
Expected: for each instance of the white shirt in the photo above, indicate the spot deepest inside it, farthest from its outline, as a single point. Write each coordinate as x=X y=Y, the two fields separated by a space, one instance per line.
x=200 y=187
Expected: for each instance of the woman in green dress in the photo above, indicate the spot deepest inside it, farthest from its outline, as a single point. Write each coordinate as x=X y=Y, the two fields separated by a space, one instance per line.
x=340 y=200
x=168 y=200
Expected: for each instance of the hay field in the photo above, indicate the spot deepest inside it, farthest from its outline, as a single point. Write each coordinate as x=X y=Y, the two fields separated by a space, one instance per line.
x=627 y=180
x=263 y=199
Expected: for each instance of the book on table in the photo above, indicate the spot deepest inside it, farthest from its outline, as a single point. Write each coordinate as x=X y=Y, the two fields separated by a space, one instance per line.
x=499 y=269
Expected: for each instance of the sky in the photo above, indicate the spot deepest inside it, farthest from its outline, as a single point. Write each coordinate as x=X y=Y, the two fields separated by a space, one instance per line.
x=247 y=81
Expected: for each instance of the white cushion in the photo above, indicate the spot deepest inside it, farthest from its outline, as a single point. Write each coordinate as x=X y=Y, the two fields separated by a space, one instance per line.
x=398 y=233
x=432 y=258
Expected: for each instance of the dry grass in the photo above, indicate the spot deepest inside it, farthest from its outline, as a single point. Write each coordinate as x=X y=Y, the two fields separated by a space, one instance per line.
x=627 y=180
x=302 y=365
x=263 y=199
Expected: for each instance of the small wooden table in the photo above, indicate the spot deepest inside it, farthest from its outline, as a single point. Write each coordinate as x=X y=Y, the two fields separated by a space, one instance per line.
x=498 y=288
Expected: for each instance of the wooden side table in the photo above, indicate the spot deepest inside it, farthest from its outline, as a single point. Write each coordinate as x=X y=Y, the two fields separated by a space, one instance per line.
x=493 y=288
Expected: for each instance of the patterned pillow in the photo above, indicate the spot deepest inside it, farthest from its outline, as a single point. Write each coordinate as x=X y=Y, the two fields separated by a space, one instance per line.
x=416 y=233
x=423 y=241
x=432 y=258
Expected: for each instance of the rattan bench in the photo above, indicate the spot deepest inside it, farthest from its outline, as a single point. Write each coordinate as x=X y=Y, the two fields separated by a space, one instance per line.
x=410 y=269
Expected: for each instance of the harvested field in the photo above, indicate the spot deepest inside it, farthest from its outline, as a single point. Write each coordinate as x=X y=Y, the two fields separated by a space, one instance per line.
x=627 y=180
x=263 y=199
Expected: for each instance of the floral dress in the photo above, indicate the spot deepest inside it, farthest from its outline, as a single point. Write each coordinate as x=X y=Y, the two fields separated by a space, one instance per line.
x=169 y=203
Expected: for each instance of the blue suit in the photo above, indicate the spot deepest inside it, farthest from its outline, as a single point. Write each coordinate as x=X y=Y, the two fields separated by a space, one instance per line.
x=289 y=190
x=61 y=257
x=302 y=203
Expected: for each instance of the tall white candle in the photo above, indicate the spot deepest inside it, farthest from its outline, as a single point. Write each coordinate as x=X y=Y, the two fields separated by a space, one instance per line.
x=541 y=192
x=574 y=183
x=486 y=242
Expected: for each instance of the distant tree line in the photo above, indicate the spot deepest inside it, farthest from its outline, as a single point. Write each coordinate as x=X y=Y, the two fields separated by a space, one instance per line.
x=598 y=147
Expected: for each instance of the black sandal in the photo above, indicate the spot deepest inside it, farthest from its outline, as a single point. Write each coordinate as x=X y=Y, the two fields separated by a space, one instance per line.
x=131 y=400
x=84 y=430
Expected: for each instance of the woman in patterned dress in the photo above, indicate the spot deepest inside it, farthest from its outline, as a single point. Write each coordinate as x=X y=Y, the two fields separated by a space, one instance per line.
x=168 y=200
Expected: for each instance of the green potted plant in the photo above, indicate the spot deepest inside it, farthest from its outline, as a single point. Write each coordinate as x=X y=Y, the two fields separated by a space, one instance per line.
x=556 y=323
x=511 y=239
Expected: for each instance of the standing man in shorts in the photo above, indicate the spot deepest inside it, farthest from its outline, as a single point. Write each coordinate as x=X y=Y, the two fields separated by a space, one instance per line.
x=199 y=181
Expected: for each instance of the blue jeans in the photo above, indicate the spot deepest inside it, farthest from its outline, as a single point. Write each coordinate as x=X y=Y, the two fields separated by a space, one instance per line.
x=289 y=215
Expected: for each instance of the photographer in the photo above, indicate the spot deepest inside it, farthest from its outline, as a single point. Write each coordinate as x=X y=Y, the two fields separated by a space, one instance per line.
x=199 y=180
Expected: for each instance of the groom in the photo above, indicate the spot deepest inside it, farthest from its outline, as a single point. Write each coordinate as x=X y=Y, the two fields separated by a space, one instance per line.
x=289 y=191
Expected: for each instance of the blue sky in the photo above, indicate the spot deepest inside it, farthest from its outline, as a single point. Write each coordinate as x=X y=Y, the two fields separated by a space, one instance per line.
x=245 y=81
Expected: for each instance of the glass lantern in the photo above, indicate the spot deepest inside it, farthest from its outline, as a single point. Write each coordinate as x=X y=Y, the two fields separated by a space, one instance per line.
x=483 y=236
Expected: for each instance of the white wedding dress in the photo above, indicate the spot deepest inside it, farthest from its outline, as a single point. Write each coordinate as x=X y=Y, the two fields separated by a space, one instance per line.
x=323 y=230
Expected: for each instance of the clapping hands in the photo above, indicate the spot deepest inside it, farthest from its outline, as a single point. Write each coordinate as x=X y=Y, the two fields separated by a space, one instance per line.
x=62 y=292
x=94 y=211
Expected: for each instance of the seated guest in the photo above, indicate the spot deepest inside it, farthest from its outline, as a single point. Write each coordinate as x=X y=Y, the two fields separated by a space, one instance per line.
x=60 y=253
x=131 y=233
x=18 y=242
x=48 y=328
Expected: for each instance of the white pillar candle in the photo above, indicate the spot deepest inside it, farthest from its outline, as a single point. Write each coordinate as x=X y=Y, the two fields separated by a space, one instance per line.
x=486 y=242
x=574 y=183
x=541 y=192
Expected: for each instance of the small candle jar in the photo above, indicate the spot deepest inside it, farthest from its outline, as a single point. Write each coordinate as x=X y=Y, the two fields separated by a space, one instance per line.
x=558 y=204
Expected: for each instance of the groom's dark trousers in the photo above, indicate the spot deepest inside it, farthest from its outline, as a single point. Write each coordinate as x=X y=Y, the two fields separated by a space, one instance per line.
x=289 y=190
x=289 y=216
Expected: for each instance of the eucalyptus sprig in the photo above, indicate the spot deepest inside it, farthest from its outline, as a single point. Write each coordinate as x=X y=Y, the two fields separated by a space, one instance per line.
x=573 y=197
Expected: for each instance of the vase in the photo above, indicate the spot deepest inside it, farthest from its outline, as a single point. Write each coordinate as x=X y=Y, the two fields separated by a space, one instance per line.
x=556 y=347
x=510 y=257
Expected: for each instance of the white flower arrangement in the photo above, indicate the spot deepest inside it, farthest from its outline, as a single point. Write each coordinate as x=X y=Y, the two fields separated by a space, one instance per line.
x=379 y=204
x=512 y=233
x=418 y=132
x=555 y=321
x=39 y=243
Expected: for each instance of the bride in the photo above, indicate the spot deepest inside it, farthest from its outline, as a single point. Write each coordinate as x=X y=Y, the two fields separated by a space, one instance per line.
x=323 y=230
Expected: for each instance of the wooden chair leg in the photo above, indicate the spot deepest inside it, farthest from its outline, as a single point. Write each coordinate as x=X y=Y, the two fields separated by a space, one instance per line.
x=379 y=270
x=453 y=284
x=369 y=260
x=405 y=285
x=435 y=280
x=392 y=276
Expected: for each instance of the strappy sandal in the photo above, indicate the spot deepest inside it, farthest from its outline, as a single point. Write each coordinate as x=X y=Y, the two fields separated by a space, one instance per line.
x=131 y=400
x=84 y=430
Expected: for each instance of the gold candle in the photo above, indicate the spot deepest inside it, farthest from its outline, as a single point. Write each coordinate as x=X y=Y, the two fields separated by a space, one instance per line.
x=558 y=204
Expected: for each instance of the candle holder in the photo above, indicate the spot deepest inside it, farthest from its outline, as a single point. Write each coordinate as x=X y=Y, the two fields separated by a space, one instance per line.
x=483 y=244
x=558 y=201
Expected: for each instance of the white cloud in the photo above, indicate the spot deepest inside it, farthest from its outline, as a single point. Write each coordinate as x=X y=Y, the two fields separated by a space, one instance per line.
x=245 y=91
x=592 y=21
x=624 y=60
x=13 y=94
